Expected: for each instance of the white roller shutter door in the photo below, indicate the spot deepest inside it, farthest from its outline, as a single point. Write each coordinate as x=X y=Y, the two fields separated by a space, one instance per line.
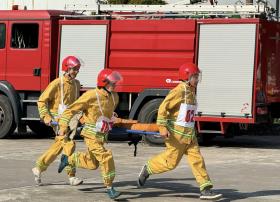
x=88 y=42
x=226 y=57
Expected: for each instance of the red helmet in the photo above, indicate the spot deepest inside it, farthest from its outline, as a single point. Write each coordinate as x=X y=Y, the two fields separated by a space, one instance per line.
x=187 y=70
x=70 y=62
x=106 y=76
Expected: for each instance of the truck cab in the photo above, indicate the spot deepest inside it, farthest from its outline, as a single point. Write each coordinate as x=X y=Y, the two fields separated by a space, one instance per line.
x=28 y=60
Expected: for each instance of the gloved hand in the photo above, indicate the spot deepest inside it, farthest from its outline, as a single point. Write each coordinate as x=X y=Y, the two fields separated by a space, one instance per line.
x=47 y=120
x=82 y=120
x=61 y=133
x=115 y=115
x=164 y=133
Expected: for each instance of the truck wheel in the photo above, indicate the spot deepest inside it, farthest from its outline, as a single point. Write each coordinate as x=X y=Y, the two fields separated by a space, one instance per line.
x=7 y=123
x=148 y=114
x=40 y=129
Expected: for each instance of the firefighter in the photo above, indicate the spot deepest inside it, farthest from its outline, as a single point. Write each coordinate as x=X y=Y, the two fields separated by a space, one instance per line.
x=58 y=95
x=98 y=107
x=176 y=125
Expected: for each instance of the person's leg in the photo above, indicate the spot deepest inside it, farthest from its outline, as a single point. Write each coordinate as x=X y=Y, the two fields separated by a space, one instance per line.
x=77 y=159
x=106 y=161
x=199 y=171
x=46 y=159
x=50 y=155
x=69 y=147
x=165 y=161
x=85 y=160
x=96 y=155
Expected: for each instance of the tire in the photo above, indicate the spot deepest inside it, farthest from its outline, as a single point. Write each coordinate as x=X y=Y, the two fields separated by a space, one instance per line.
x=40 y=129
x=148 y=114
x=7 y=122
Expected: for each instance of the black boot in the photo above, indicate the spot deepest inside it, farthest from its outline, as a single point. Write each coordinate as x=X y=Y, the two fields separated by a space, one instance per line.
x=208 y=194
x=143 y=176
x=63 y=163
x=112 y=193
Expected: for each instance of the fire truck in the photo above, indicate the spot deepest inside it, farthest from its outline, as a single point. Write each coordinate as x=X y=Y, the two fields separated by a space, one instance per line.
x=235 y=46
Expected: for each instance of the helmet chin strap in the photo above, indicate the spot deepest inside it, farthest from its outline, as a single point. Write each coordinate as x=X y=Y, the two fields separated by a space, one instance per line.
x=187 y=82
x=69 y=75
x=106 y=89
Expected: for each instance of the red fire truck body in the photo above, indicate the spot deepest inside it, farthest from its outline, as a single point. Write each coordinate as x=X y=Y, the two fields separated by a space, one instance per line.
x=239 y=59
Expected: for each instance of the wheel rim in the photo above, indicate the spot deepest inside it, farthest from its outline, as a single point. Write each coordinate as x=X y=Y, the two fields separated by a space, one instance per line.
x=2 y=116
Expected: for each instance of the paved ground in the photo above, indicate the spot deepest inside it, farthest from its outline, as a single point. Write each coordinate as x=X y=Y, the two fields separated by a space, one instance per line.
x=243 y=169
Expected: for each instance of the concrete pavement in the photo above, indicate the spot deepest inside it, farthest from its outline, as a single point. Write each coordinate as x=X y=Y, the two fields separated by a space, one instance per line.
x=243 y=169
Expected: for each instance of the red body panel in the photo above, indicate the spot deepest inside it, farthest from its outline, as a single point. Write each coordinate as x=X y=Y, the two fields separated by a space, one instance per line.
x=3 y=57
x=21 y=62
x=20 y=15
x=270 y=61
x=46 y=53
x=147 y=52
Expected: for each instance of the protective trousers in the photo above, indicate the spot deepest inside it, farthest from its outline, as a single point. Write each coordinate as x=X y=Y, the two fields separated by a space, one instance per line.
x=170 y=158
x=96 y=155
x=54 y=150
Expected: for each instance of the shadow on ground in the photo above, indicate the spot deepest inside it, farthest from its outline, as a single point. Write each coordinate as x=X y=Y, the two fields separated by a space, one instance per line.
x=167 y=187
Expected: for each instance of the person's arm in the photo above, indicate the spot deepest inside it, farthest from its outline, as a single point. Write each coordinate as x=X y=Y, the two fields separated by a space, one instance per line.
x=47 y=96
x=168 y=103
x=80 y=104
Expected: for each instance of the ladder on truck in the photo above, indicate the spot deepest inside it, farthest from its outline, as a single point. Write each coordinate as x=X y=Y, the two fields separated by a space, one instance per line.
x=117 y=10
x=187 y=8
x=183 y=7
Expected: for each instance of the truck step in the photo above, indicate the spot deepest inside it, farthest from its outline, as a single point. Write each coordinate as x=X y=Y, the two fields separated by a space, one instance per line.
x=30 y=119
x=29 y=101
x=211 y=131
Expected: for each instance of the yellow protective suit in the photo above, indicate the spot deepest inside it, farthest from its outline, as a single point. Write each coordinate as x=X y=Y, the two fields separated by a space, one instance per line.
x=182 y=140
x=97 y=154
x=48 y=109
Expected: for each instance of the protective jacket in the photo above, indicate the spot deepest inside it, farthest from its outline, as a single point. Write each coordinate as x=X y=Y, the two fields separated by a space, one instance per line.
x=169 y=110
x=88 y=103
x=51 y=98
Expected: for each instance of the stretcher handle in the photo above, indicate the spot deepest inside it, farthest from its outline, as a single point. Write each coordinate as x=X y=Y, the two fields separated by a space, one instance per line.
x=54 y=123
x=139 y=132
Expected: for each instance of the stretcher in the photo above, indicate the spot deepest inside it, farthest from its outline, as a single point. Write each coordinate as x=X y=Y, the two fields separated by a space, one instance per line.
x=136 y=131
